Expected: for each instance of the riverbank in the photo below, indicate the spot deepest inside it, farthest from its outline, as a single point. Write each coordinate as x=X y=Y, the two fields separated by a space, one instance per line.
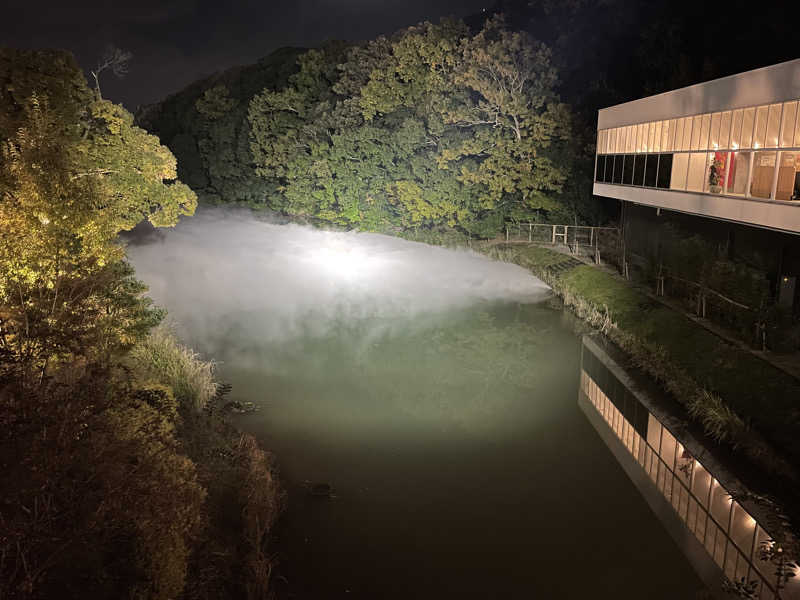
x=741 y=401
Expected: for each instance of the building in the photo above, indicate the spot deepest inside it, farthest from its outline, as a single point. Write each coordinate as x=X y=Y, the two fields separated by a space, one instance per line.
x=720 y=159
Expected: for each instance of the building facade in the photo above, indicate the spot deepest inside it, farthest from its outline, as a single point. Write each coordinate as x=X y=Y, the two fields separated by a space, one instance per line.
x=725 y=154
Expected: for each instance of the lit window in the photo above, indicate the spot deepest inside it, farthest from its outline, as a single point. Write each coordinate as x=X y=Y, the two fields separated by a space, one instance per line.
x=773 y=126
x=680 y=164
x=705 y=126
x=739 y=164
x=760 y=131
x=697 y=171
x=725 y=130
x=788 y=177
x=748 y=119
x=736 y=129
x=763 y=171
x=787 y=129
x=696 y=127
x=665 y=131
x=713 y=141
x=657 y=137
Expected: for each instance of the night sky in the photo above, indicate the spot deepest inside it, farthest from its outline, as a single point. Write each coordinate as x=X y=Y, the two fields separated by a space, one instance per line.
x=175 y=43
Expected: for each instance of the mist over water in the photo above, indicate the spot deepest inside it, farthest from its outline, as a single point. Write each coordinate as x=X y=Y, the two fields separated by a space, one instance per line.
x=434 y=391
x=225 y=271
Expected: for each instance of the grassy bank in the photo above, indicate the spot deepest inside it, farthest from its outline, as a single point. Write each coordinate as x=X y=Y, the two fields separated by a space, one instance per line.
x=229 y=557
x=740 y=399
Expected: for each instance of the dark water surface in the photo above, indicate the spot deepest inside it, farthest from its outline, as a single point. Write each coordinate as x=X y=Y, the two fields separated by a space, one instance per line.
x=461 y=463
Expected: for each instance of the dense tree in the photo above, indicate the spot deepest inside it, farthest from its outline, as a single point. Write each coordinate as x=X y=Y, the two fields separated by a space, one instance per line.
x=430 y=127
x=74 y=172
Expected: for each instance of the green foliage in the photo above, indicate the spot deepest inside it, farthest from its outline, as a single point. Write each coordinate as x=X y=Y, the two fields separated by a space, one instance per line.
x=161 y=358
x=74 y=173
x=206 y=127
x=431 y=127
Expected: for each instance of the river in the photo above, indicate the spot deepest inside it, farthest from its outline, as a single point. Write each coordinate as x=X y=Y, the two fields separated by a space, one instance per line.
x=436 y=392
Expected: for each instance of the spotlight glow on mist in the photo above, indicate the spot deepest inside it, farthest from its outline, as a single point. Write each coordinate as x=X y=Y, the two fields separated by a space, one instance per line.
x=226 y=269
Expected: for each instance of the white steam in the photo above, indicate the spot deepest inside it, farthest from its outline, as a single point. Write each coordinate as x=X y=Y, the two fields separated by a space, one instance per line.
x=221 y=272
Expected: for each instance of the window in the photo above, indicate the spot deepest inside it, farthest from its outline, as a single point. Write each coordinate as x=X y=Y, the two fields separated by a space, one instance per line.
x=627 y=170
x=601 y=167
x=773 y=125
x=638 y=170
x=748 y=118
x=705 y=125
x=717 y=173
x=680 y=165
x=665 y=130
x=787 y=129
x=763 y=171
x=612 y=142
x=664 y=170
x=725 y=130
x=737 y=172
x=639 y=133
x=650 y=170
x=679 y=124
x=651 y=132
x=713 y=141
x=736 y=129
x=617 y=169
x=697 y=171
x=760 y=131
x=657 y=137
x=788 y=177
x=696 y=127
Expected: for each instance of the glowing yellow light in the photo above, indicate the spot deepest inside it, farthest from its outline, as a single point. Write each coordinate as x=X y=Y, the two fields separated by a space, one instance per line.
x=735 y=146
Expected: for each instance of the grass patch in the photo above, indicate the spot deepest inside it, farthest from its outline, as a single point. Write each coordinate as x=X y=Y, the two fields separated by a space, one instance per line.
x=738 y=398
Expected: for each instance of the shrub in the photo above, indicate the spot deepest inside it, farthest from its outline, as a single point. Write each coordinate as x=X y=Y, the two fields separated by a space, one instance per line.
x=161 y=358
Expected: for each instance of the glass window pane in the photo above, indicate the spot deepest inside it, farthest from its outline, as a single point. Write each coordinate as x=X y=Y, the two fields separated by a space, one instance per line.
x=645 y=128
x=788 y=180
x=725 y=130
x=697 y=171
x=743 y=528
x=668 y=448
x=639 y=130
x=680 y=164
x=600 y=142
x=717 y=163
x=627 y=170
x=671 y=126
x=701 y=483
x=650 y=170
x=678 y=143
x=736 y=129
x=773 y=126
x=705 y=125
x=740 y=163
x=713 y=140
x=787 y=129
x=664 y=170
x=720 y=504
x=657 y=137
x=760 y=131
x=665 y=130
x=696 y=127
x=763 y=172
x=651 y=130
x=797 y=129
x=653 y=433
x=638 y=170
x=748 y=119
x=599 y=168
x=618 y=160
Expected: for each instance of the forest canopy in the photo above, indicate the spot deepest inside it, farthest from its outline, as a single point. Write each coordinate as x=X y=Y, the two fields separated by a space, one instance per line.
x=432 y=126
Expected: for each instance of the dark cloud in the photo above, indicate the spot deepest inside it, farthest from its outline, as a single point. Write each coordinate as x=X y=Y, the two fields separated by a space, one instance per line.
x=175 y=43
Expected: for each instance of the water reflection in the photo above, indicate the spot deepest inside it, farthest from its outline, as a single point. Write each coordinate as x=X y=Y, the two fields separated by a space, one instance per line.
x=730 y=536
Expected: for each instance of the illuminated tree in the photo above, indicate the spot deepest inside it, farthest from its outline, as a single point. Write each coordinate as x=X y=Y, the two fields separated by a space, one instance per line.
x=74 y=172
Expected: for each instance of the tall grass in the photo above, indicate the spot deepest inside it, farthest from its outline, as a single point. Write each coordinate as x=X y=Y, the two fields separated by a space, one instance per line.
x=162 y=358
